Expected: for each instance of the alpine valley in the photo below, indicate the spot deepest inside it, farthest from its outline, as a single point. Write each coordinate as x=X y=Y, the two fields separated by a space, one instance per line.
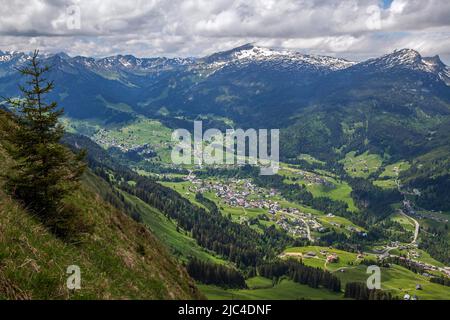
x=364 y=179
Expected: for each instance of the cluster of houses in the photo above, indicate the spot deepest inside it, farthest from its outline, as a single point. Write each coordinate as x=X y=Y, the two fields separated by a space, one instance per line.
x=312 y=178
x=103 y=138
x=299 y=226
x=238 y=193
x=412 y=257
x=331 y=257
x=294 y=228
x=349 y=228
x=420 y=264
x=446 y=270
x=299 y=222
x=409 y=210
x=243 y=193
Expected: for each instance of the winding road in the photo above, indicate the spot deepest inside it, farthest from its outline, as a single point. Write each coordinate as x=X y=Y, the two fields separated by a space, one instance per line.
x=416 y=223
x=417 y=226
x=308 y=230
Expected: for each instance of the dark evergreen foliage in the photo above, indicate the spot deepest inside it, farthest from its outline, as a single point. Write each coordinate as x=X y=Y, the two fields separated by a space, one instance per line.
x=44 y=171
x=215 y=274
x=441 y=280
x=359 y=291
x=298 y=272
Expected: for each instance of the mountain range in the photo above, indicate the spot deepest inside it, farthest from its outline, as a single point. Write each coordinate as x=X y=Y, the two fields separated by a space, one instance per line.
x=247 y=78
x=397 y=105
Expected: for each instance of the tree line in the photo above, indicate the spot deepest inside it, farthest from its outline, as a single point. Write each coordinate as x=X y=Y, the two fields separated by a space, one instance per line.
x=445 y=281
x=215 y=274
x=300 y=273
x=359 y=291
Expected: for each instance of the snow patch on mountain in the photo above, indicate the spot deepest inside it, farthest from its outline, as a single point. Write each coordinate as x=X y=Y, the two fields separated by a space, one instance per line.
x=240 y=57
x=279 y=59
x=7 y=56
x=445 y=76
x=129 y=63
x=411 y=60
x=266 y=54
x=4 y=57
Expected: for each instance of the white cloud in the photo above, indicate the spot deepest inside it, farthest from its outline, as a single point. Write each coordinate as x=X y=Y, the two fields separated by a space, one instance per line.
x=356 y=29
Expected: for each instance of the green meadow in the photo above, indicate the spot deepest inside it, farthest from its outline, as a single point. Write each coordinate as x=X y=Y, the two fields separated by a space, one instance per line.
x=346 y=259
x=396 y=279
x=363 y=165
x=387 y=179
x=284 y=290
x=334 y=189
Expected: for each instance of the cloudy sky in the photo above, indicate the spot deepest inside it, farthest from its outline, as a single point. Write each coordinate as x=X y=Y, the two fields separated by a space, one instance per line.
x=352 y=29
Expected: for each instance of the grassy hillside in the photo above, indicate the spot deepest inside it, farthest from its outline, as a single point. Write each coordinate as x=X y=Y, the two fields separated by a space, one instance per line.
x=118 y=258
x=395 y=279
x=263 y=289
x=181 y=243
x=329 y=186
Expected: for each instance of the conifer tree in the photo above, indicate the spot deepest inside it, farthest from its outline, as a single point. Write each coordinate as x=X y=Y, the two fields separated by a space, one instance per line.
x=44 y=171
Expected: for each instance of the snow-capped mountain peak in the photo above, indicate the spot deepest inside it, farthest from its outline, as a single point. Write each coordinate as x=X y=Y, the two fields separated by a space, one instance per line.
x=6 y=56
x=284 y=58
x=240 y=57
x=407 y=58
x=403 y=58
x=9 y=60
x=258 y=53
x=411 y=60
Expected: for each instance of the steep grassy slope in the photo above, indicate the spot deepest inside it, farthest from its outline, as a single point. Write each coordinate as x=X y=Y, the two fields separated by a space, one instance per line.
x=182 y=245
x=118 y=258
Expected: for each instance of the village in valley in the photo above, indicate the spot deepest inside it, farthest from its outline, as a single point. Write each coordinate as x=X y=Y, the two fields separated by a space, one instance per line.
x=104 y=138
x=242 y=193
